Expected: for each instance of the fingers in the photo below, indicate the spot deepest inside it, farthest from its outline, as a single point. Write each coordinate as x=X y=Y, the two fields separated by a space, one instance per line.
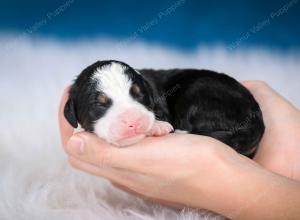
x=252 y=84
x=125 y=188
x=155 y=200
x=119 y=177
x=66 y=130
x=259 y=89
x=267 y=97
x=262 y=91
x=90 y=148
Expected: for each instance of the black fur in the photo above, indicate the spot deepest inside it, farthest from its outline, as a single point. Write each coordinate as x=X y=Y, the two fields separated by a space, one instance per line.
x=198 y=101
x=212 y=104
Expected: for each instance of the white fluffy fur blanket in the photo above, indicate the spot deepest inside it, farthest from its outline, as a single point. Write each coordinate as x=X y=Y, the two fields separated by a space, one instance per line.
x=36 y=181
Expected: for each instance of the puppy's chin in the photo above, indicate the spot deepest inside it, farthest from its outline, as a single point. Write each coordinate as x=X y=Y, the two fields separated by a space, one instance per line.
x=129 y=140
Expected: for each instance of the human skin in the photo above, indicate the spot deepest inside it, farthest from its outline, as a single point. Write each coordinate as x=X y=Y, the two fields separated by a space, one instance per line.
x=279 y=149
x=201 y=172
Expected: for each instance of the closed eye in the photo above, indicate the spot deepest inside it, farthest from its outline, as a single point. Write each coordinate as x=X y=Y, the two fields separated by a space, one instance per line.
x=99 y=106
x=103 y=99
x=136 y=91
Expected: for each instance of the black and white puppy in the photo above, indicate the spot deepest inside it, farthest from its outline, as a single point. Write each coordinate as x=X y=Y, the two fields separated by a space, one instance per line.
x=123 y=105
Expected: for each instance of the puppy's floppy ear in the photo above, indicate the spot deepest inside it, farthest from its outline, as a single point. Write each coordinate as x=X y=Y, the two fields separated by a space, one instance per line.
x=70 y=114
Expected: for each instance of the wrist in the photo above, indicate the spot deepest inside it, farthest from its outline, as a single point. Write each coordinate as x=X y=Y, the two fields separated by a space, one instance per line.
x=244 y=190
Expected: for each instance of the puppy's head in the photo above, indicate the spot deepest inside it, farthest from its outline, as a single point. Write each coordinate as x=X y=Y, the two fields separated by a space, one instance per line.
x=112 y=100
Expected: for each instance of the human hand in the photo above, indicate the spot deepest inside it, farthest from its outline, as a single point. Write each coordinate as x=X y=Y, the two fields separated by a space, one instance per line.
x=279 y=149
x=184 y=170
x=167 y=169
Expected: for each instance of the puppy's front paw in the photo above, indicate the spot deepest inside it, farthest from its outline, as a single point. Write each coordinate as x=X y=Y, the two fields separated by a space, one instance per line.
x=161 y=128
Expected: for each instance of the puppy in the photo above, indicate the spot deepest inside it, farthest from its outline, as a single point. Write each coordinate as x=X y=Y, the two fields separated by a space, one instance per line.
x=123 y=105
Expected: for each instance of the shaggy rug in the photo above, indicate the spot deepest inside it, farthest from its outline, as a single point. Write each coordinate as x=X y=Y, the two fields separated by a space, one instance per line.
x=36 y=181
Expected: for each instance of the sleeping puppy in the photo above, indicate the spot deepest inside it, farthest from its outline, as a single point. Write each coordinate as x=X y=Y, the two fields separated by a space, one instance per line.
x=123 y=105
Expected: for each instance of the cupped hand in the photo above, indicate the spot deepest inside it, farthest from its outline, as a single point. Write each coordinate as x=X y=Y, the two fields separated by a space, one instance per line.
x=279 y=149
x=168 y=169
x=197 y=171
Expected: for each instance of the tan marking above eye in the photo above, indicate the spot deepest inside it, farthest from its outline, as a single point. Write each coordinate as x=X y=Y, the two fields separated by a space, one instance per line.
x=136 y=89
x=102 y=98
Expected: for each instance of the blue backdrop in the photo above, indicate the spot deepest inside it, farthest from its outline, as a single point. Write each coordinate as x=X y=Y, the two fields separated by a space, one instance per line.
x=184 y=24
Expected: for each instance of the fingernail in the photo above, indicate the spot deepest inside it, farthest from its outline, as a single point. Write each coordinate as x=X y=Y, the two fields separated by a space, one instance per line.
x=76 y=143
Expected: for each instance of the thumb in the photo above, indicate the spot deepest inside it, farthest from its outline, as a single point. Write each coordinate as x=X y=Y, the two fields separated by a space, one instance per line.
x=66 y=130
x=90 y=148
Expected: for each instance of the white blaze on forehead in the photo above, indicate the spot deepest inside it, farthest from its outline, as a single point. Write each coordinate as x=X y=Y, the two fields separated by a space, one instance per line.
x=112 y=80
